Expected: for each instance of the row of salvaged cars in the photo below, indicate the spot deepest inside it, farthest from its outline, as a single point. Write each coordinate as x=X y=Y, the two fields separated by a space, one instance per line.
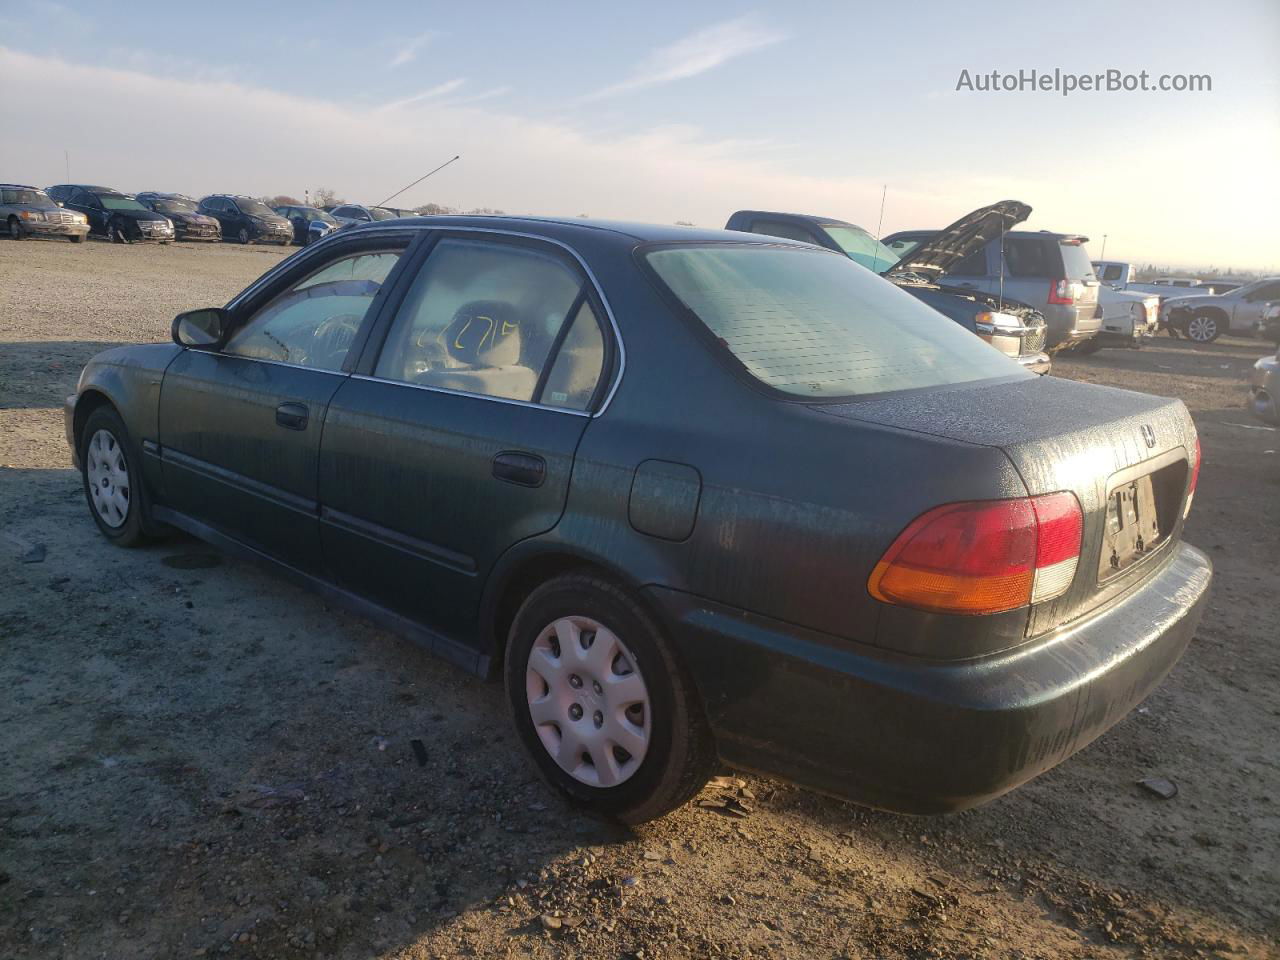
x=75 y=210
x=1027 y=293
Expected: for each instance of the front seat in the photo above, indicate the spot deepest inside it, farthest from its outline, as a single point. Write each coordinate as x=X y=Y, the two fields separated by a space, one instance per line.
x=482 y=350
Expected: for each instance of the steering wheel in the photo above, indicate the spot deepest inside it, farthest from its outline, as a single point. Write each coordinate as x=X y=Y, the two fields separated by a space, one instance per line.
x=332 y=339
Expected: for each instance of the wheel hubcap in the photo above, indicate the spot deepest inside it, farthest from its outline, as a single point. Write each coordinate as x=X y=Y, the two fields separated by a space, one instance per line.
x=588 y=702
x=1202 y=328
x=109 y=486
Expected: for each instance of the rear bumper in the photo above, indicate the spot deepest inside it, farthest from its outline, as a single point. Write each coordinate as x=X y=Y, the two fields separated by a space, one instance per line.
x=920 y=736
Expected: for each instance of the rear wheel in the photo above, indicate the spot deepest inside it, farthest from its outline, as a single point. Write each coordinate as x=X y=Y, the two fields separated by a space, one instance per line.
x=607 y=711
x=1203 y=328
x=1089 y=346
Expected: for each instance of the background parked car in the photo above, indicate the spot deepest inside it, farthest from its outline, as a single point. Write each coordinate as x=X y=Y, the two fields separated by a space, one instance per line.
x=1205 y=318
x=30 y=212
x=1048 y=271
x=309 y=223
x=1264 y=389
x=356 y=213
x=188 y=223
x=1128 y=317
x=113 y=214
x=1013 y=328
x=246 y=219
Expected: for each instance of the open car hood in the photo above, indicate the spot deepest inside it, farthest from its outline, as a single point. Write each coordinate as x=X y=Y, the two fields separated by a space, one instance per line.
x=967 y=235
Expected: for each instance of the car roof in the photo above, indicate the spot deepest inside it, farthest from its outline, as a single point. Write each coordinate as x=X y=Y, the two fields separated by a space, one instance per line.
x=20 y=186
x=806 y=217
x=87 y=187
x=566 y=228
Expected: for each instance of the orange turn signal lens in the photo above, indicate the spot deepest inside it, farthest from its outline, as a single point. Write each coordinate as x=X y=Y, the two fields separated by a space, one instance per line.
x=982 y=556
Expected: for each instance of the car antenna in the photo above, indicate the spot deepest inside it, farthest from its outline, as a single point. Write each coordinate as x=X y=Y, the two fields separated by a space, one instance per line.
x=418 y=181
x=1000 y=298
x=875 y=259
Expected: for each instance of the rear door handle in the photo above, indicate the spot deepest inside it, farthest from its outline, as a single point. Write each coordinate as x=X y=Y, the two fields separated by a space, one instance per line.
x=292 y=416
x=522 y=469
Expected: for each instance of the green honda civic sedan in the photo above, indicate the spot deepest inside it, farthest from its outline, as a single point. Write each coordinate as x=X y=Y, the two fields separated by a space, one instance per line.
x=697 y=496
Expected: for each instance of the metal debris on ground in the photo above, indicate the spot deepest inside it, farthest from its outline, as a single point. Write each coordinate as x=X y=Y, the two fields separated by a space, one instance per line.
x=1162 y=788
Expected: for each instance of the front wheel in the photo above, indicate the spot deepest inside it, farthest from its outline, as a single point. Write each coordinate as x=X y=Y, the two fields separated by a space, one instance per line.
x=601 y=702
x=15 y=230
x=1088 y=347
x=243 y=235
x=76 y=238
x=117 y=233
x=111 y=481
x=1203 y=328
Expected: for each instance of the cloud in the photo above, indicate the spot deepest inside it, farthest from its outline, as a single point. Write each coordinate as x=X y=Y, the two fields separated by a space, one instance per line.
x=697 y=53
x=439 y=90
x=525 y=164
x=408 y=50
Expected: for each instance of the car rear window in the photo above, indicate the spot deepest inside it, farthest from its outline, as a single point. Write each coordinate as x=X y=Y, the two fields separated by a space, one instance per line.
x=1075 y=258
x=815 y=324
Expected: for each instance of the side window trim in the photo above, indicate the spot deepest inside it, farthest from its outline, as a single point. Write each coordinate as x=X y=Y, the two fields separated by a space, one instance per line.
x=615 y=351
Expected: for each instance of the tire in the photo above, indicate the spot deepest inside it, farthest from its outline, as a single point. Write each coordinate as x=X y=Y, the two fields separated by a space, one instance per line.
x=15 y=230
x=1203 y=328
x=657 y=714
x=76 y=238
x=243 y=235
x=106 y=454
x=1088 y=347
x=117 y=233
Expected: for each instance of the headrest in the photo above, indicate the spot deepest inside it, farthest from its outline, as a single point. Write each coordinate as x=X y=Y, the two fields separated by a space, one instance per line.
x=484 y=333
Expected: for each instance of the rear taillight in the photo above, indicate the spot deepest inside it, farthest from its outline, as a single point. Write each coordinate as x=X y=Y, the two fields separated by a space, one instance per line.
x=1195 y=474
x=1062 y=292
x=983 y=556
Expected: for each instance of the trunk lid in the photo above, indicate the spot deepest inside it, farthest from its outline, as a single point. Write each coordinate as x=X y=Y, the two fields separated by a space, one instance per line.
x=1097 y=442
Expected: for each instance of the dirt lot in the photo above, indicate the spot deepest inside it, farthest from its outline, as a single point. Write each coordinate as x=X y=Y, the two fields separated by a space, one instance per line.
x=200 y=759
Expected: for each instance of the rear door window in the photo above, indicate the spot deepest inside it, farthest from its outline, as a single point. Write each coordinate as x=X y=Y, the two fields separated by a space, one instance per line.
x=483 y=317
x=1029 y=257
x=817 y=325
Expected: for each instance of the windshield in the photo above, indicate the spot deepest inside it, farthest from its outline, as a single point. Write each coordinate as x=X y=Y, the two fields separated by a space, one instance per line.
x=255 y=208
x=115 y=201
x=901 y=247
x=378 y=213
x=815 y=325
x=862 y=247
x=311 y=213
x=173 y=206
x=37 y=197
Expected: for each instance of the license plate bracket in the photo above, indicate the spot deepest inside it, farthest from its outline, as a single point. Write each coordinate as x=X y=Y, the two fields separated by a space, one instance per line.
x=1132 y=527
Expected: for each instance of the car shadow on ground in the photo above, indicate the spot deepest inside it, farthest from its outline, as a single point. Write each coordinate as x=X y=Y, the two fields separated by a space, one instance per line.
x=27 y=367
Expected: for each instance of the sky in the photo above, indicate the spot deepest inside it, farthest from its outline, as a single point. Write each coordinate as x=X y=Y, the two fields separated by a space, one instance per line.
x=670 y=111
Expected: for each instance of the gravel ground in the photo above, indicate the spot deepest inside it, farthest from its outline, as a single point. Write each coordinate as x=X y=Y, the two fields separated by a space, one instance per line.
x=201 y=759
